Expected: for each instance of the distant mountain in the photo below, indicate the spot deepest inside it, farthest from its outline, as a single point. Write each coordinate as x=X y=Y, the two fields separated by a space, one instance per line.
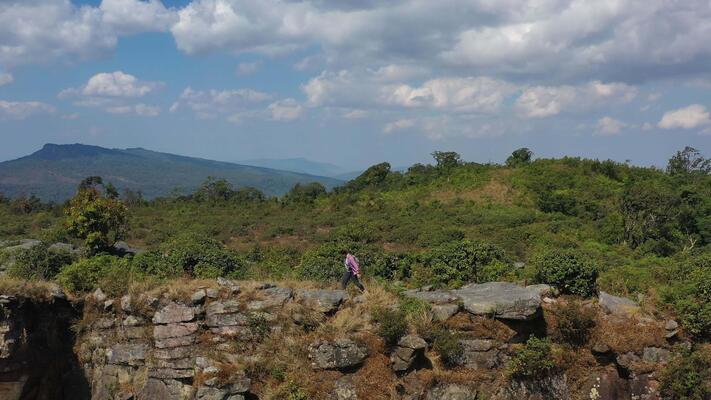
x=54 y=172
x=302 y=165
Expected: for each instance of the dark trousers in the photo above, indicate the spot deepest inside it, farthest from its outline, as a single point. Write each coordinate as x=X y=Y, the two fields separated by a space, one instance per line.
x=348 y=276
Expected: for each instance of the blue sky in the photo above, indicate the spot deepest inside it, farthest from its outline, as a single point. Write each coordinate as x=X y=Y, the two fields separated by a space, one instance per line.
x=358 y=82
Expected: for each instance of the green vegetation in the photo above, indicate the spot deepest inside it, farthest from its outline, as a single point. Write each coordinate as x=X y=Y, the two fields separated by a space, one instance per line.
x=581 y=225
x=534 y=360
x=38 y=262
x=687 y=377
x=392 y=324
x=570 y=272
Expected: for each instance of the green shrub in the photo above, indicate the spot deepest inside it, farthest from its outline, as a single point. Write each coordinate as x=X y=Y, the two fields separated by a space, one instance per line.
x=153 y=264
x=455 y=263
x=38 y=262
x=291 y=391
x=569 y=271
x=186 y=252
x=534 y=360
x=391 y=324
x=446 y=344
x=692 y=296
x=85 y=275
x=574 y=323
x=687 y=377
x=325 y=263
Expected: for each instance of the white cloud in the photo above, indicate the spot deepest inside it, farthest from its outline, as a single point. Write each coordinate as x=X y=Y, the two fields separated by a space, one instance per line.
x=5 y=78
x=398 y=125
x=114 y=93
x=363 y=89
x=139 y=109
x=112 y=84
x=43 y=31
x=546 y=101
x=135 y=16
x=24 y=109
x=214 y=103
x=244 y=69
x=608 y=126
x=286 y=110
x=689 y=117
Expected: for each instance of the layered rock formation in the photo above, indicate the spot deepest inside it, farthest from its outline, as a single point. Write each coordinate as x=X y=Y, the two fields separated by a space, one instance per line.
x=235 y=341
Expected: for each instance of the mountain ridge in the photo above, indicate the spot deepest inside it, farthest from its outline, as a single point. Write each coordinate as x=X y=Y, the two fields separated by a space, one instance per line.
x=53 y=172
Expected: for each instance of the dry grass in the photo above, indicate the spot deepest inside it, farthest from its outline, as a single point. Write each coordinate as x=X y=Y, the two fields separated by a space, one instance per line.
x=494 y=192
x=628 y=334
x=31 y=289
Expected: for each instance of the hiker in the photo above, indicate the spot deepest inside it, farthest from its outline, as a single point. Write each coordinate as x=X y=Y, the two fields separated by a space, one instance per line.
x=352 y=271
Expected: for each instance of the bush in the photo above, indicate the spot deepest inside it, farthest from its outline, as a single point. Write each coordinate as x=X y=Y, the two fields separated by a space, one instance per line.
x=534 y=360
x=85 y=275
x=692 y=296
x=574 y=323
x=455 y=263
x=447 y=345
x=392 y=324
x=687 y=377
x=194 y=254
x=570 y=272
x=153 y=264
x=38 y=262
x=325 y=263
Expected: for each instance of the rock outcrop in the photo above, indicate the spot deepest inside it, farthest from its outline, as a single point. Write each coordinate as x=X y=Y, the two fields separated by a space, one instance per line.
x=228 y=340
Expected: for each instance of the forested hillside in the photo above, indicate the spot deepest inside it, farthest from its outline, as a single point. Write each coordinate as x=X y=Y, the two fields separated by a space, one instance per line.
x=566 y=231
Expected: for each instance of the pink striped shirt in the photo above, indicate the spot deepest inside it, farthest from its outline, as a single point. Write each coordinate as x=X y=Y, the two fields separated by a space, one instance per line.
x=352 y=264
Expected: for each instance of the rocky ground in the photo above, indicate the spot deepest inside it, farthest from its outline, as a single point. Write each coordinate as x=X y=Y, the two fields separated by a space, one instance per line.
x=225 y=340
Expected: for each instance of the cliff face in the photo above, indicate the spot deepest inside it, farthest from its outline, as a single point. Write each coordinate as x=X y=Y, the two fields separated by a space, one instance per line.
x=226 y=340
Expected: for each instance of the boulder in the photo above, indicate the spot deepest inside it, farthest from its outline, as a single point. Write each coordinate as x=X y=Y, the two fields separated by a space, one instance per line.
x=339 y=354
x=223 y=307
x=656 y=355
x=452 y=391
x=173 y=313
x=61 y=248
x=432 y=296
x=344 y=389
x=198 y=297
x=126 y=304
x=618 y=306
x=546 y=388
x=174 y=330
x=480 y=354
x=408 y=349
x=271 y=297
x=502 y=300
x=443 y=312
x=99 y=295
x=127 y=353
x=233 y=287
x=168 y=389
x=607 y=385
x=325 y=301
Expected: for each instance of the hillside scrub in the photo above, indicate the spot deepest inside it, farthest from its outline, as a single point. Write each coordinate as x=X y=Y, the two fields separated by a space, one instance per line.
x=581 y=225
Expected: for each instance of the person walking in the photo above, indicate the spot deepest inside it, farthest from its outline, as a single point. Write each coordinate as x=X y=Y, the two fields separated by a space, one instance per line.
x=352 y=271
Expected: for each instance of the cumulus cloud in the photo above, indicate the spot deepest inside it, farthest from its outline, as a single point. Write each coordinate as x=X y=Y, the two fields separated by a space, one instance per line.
x=286 y=110
x=398 y=125
x=689 y=117
x=213 y=103
x=608 y=126
x=546 y=101
x=564 y=38
x=360 y=89
x=112 y=84
x=24 y=109
x=42 y=31
x=114 y=92
x=5 y=78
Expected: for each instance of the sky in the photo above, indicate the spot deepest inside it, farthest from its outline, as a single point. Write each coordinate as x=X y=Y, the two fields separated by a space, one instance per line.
x=357 y=82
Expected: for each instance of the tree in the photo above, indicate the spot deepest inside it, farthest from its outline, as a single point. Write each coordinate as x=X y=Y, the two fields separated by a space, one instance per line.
x=97 y=219
x=650 y=210
x=688 y=161
x=214 y=190
x=304 y=194
x=519 y=157
x=373 y=176
x=446 y=159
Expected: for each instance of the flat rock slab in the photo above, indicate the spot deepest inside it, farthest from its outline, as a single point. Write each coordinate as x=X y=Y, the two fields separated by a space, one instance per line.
x=452 y=391
x=173 y=313
x=443 y=312
x=339 y=354
x=174 y=330
x=129 y=354
x=326 y=300
x=432 y=296
x=501 y=300
x=618 y=306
